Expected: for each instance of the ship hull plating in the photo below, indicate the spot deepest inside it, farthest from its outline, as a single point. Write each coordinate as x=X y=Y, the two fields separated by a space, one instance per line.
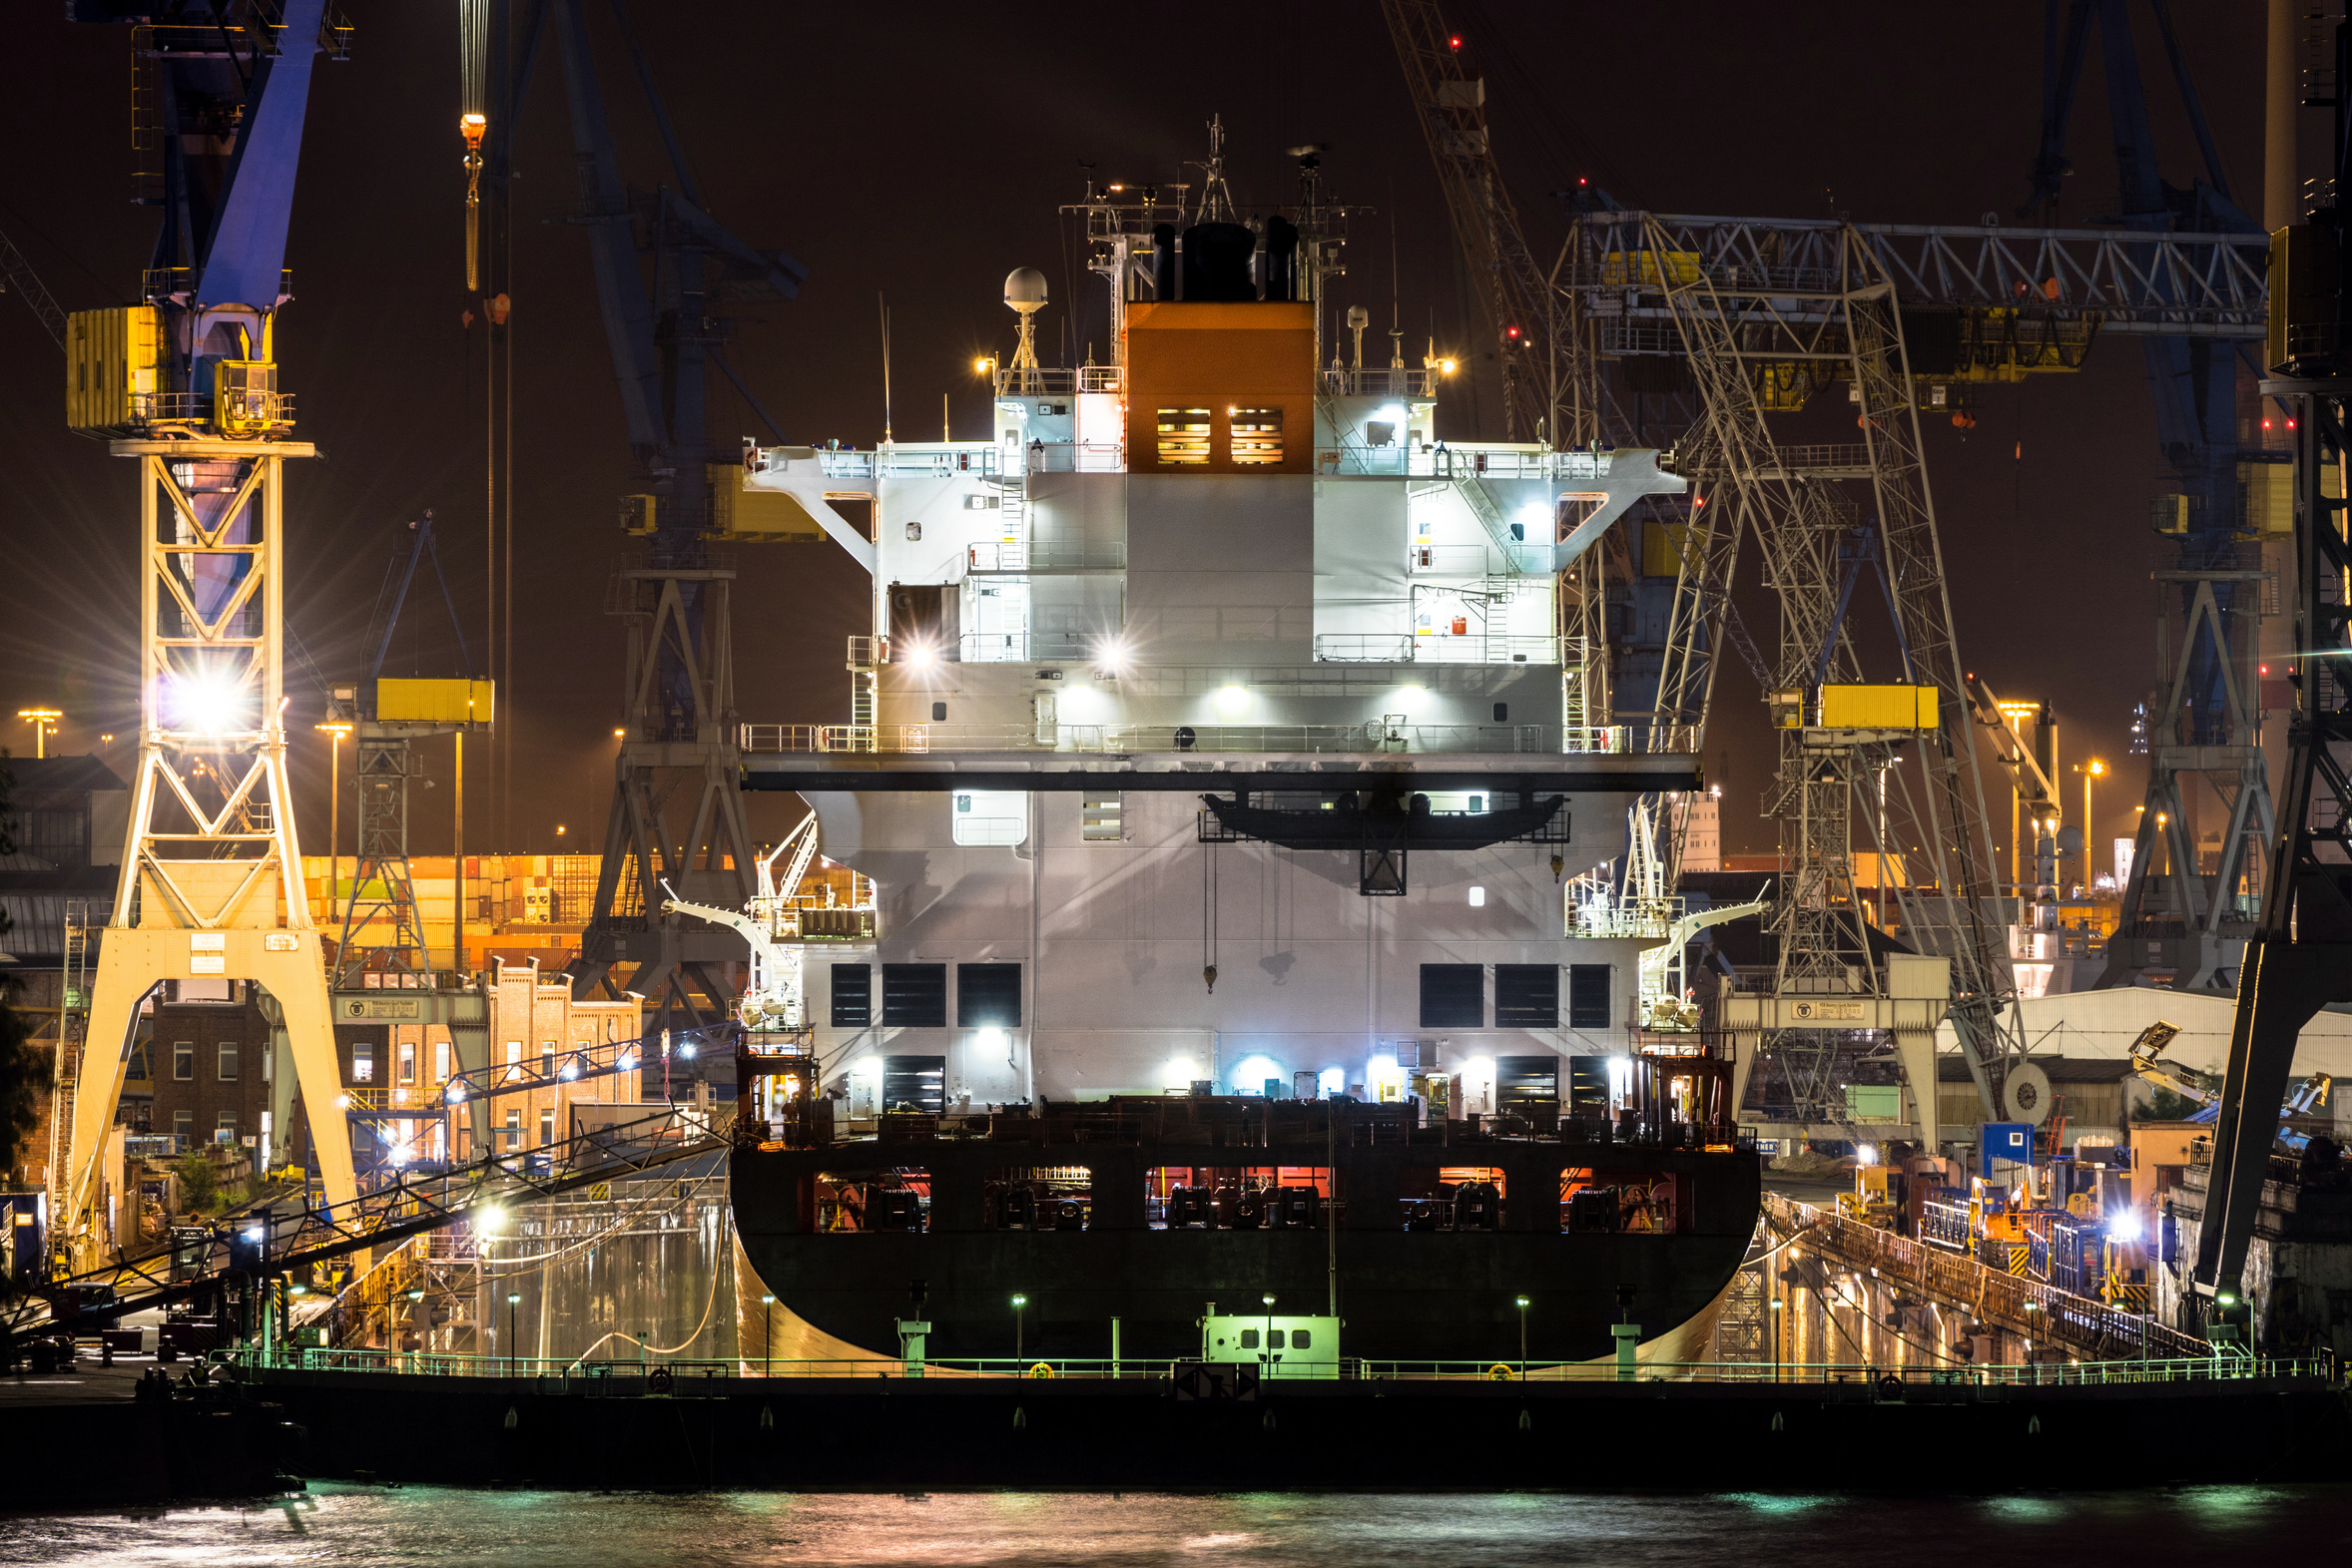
x=1403 y=1294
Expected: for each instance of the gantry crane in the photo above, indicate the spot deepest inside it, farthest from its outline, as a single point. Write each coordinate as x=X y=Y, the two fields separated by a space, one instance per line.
x=677 y=819
x=185 y=384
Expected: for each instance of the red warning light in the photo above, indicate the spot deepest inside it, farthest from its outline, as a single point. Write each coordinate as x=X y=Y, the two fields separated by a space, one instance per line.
x=2290 y=425
x=2265 y=424
x=1453 y=42
x=2265 y=669
x=1510 y=332
x=1580 y=179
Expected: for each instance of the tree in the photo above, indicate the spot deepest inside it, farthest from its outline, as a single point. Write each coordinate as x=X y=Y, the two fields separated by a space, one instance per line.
x=20 y=1067
x=197 y=1182
x=2164 y=1105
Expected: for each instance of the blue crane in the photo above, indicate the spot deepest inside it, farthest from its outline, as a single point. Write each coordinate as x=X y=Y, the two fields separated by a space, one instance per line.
x=2205 y=721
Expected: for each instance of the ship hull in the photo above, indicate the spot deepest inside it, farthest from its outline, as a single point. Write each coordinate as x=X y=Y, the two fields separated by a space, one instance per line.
x=1403 y=1294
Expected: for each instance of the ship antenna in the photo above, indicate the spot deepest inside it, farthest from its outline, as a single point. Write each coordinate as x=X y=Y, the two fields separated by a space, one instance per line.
x=883 y=305
x=1216 y=201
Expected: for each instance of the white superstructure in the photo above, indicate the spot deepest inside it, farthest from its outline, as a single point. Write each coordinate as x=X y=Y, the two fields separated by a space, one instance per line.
x=1214 y=566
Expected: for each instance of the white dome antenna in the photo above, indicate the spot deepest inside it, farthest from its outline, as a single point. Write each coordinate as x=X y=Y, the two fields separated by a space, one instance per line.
x=1024 y=295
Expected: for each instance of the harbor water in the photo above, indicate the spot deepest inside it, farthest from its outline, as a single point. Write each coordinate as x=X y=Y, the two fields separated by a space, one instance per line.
x=505 y=1529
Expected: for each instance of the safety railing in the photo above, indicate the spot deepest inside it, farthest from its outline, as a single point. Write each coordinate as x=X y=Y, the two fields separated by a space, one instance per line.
x=1048 y=380
x=682 y=1374
x=1371 y=381
x=1127 y=739
x=1075 y=457
x=1409 y=648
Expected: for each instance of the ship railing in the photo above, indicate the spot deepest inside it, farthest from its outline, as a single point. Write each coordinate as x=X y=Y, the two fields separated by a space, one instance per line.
x=909 y=460
x=1432 y=648
x=1380 y=381
x=1123 y=740
x=713 y=1377
x=1048 y=380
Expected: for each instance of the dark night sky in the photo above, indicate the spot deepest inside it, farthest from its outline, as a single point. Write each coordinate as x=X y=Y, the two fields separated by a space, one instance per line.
x=924 y=159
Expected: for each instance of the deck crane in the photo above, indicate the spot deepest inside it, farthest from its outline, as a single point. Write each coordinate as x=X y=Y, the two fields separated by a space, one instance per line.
x=677 y=818
x=185 y=384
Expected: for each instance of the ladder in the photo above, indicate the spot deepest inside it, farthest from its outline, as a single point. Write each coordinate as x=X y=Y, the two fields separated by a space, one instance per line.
x=66 y=1079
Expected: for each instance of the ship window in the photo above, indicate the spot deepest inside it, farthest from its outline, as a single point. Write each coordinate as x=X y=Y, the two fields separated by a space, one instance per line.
x=987 y=995
x=1527 y=996
x=1257 y=435
x=1301 y=1338
x=1589 y=996
x=1249 y=1338
x=853 y=995
x=915 y=1083
x=1453 y=996
x=1098 y=818
x=915 y=996
x=1522 y=1080
x=1184 y=436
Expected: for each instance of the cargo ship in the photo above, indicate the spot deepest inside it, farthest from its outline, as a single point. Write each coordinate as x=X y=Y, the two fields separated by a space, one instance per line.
x=1226 y=786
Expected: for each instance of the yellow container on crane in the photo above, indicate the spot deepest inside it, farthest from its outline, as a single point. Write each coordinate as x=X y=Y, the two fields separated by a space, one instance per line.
x=113 y=368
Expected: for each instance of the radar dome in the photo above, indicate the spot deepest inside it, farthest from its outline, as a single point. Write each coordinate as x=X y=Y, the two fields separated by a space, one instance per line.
x=1024 y=290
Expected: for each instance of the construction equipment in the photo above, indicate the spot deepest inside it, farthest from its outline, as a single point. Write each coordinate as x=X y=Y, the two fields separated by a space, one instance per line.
x=184 y=383
x=773 y=1001
x=2307 y=1099
x=20 y=277
x=382 y=931
x=2178 y=919
x=677 y=819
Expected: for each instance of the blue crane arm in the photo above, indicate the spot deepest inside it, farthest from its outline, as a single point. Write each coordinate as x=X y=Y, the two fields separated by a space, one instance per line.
x=243 y=257
x=605 y=212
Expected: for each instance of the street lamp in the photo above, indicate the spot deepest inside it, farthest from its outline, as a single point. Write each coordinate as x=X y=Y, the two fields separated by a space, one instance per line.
x=2091 y=769
x=1019 y=1303
x=1265 y=1351
x=44 y=721
x=1777 y=1304
x=335 y=730
x=1522 y=1339
x=768 y=1336
x=513 y=1300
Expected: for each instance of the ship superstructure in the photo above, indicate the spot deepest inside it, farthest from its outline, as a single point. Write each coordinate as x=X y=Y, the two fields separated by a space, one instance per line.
x=1215 y=737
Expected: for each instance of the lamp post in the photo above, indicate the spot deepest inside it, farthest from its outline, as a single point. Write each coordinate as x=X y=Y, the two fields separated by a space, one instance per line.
x=768 y=1335
x=1776 y=1306
x=335 y=730
x=44 y=721
x=1265 y=1351
x=2091 y=769
x=1522 y=1339
x=513 y=1300
x=1019 y=1303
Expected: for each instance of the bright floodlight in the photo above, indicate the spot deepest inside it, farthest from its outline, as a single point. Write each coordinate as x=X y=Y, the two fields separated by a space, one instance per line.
x=457 y=1092
x=919 y=656
x=489 y=1222
x=206 y=701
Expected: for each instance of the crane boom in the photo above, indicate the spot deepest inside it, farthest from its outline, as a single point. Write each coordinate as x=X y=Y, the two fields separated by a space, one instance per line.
x=1513 y=292
x=27 y=283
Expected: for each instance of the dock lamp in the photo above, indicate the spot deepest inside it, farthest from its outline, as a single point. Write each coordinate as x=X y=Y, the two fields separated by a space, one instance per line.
x=1777 y=1304
x=513 y=1300
x=44 y=721
x=1522 y=1339
x=1019 y=1303
x=1268 y=1351
x=768 y=1339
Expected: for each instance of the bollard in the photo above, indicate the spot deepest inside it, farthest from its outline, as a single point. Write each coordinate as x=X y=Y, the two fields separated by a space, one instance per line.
x=1626 y=1335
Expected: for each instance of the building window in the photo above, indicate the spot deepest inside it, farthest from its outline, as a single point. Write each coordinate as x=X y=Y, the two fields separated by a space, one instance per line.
x=225 y=1132
x=916 y=1083
x=228 y=1058
x=1184 y=436
x=1098 y=818
x=1589 y=996
x=1257 y=436
x=1527 y=996
x=184 y=1060
x=407 y=1061
x=182 y=1124
x=987 y=996
x=514 y=1060
x=514 y=1129
x=546 y=1127
x=440 y=1061
x=363 y=1061
x=915 y=996
x=1453 y=996
x=853 y=995
x=547 y=1061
